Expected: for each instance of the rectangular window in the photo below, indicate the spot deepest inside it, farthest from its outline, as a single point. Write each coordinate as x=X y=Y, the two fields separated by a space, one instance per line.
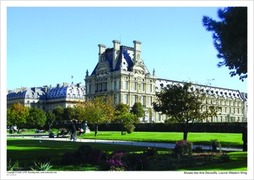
x=115 y=85
x=90 y=88
x=144 y=101
x=136 y=98
x=105 y=86
x=143 y=86
x=96 y=88
x=135 y=86
x=151 y=88
x=127 y=98
x=126 y=85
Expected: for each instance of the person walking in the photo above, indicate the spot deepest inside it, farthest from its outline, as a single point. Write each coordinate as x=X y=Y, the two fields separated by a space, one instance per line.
x=73 y=131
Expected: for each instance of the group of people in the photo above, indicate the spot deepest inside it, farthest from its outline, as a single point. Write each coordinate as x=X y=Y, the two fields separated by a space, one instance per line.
x=73 y=130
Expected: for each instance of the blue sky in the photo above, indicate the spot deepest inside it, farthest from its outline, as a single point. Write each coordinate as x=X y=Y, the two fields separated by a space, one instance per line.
x=47 y=45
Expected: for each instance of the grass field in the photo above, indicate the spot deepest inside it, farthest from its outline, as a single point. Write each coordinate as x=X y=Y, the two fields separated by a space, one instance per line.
x=26 y=152
x=226 y=139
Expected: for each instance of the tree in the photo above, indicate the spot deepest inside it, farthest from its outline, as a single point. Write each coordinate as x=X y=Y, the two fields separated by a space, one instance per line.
x=17 y=115
x=50 y=119
x=181 y=104
x=68 y=113
x=125 y=117
x=79 y=113
x=138 y=110
x=58 y=112
x=98 y=110
x=230 y=39
x=36 y=118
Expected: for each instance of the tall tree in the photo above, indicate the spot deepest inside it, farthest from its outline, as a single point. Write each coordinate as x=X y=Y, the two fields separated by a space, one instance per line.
x=50 y=119
x=36 y=118
x=137 y=110
x=17 y=115
x=125 y=118
x=98 y=111
x=68 y=113
x=181 y=104
x=58 y=112
x=230 y=39
x=79 y=113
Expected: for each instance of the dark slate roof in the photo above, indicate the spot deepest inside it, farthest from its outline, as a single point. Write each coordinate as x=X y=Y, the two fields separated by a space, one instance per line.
x=30 y=93
x=108 y=54
x=65 y=91
x=43 y=93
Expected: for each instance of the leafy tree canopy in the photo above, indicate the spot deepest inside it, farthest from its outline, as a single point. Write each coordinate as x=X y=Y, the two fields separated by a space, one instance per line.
x=36 y=118
x=99 y=110
x=17 y=115
x=183 y=105
x=230 y=39
x=137 y=109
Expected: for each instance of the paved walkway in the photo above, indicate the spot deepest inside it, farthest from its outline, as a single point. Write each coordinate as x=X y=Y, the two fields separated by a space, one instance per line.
x=132 y=143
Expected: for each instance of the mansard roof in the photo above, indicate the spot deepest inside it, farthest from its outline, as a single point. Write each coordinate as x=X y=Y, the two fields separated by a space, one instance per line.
x=66 y=91
x=27 y=93
x=209 y=90
x=125 y=54
x=47 y=93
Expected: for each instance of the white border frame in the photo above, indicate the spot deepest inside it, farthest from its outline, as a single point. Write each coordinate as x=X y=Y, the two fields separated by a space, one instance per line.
x=123 y=175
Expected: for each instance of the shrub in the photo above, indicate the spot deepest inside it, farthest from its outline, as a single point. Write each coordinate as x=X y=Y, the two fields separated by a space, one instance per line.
x=85 y=154
x=135 y=162
x=94 y=156
x=84 y=149
x=12 y=166
x=68 y=158
x=115 y=162
x=183 y=147
x=41 y=166
x=224 y=157
x=150 y=151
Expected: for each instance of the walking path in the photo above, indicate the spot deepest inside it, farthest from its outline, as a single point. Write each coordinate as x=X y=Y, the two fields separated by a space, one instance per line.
x=132 y=143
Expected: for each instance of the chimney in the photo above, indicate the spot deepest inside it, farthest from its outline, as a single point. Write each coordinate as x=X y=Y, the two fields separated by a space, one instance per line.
x=102 y=49
x=137 y=50
x=116 y=45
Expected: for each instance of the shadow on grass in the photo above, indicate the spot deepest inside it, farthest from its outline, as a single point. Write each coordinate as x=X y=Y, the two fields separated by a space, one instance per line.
x=26 y=152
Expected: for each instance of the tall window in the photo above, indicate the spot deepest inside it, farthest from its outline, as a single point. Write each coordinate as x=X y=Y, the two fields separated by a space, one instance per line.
x=115 y=85
x=126 y=85
x=144 y=101
x=127 y=98
x=135 y=86
x=143 y=86
x=151 y=88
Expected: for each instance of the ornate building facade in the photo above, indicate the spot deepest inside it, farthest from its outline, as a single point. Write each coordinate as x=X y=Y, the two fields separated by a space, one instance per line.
x=121 y=73
x=47 y=97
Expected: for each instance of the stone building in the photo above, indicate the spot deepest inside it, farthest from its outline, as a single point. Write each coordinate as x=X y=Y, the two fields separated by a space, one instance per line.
x=121 y=73
x=233 y=103
x=48 y=97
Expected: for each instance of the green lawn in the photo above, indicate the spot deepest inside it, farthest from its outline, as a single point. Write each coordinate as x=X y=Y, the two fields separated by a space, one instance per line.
x=226 y=139
x=26 y=152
